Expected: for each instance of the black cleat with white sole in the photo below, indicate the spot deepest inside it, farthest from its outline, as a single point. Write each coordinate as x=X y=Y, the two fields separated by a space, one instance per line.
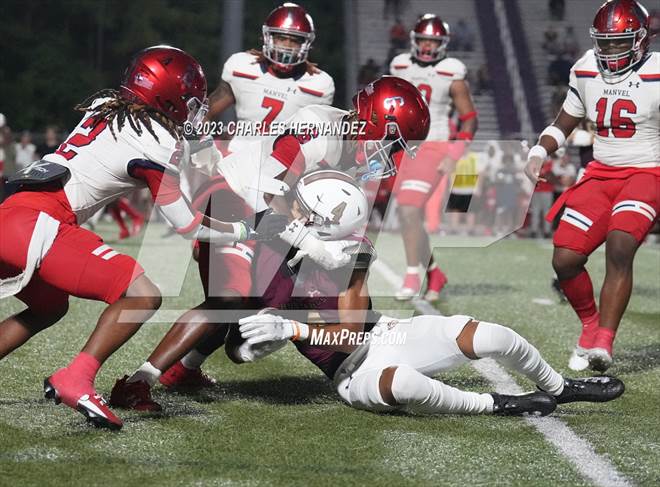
x=530 y=404
x=600 y=388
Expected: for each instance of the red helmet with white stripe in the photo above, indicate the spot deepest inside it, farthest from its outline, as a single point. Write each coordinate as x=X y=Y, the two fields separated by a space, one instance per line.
x=395 y=113
x=292 y=20
x=429 y=27
x=620 y=34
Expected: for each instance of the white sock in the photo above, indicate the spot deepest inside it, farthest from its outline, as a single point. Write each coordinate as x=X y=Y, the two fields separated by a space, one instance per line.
x=506 y=346
x=423 y=395
x=193 y=359
x=412 y=270
x=147 y=373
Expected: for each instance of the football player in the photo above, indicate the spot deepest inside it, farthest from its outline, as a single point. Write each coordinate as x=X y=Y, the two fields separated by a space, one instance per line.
x=615 y=86
x=441 y=80
x=273 y=84
x=127 y=139
x=393 y=370
x=391 y=112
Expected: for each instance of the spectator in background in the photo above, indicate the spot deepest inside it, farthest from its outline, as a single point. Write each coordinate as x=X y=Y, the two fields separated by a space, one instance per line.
x=25 y=151
x=508 y=183
x=655 y=22
x=564 y=172
x=399 y=36
x=558 y=97
x=368 y=73
x=557 y=8
x=541 y=202
x=51 y=142
x=7 y=157
x=482 y=80
x=559 y=70
x=551 y=43
x=393 y=8
x=462 y=37
x=570 y=46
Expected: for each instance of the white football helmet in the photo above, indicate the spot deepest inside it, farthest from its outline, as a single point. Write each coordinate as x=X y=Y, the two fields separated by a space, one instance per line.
x=333 y=203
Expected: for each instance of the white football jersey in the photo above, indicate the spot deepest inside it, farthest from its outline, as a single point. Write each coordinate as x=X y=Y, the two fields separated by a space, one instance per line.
x=263 y=97
x=248 y=170
x=433 y=81
x=99 y=164
x=626 y=112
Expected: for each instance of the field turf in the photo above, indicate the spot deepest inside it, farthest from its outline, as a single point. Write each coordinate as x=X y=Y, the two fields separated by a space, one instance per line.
x=277 y=422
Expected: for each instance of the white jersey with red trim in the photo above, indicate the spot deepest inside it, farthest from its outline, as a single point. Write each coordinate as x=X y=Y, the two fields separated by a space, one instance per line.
x=626 y=111
x=263 y=97
x=99 y=164
x=251 y=171
x=433 y=81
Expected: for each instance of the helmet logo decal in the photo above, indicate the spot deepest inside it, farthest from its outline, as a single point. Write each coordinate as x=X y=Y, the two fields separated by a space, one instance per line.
x=143 y=81
x=393 y=101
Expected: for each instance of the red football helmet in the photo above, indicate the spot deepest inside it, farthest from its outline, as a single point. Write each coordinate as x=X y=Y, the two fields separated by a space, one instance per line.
x=169 y=80
x=620 y=34
x=429 y=27
x=291 y=20
x=395 y=113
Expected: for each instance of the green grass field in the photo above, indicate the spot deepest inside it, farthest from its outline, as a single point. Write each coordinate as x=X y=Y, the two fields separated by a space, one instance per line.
x=277 y=422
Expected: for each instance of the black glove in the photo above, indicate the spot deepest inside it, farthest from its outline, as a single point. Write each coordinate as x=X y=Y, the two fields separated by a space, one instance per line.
x=270 y=226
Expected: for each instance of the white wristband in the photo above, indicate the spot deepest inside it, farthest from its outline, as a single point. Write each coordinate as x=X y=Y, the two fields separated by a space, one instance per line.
x=300 y=331
x=556 y=133
x=537 y=151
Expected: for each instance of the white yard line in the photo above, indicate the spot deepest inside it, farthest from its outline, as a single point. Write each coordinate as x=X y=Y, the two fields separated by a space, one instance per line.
x=578 y=451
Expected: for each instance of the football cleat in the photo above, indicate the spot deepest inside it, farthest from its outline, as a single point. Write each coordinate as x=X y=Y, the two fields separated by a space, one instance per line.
x=409 y=289
x=136 y=227
x=533 y=403
x=436 y=281
x=599 y=359
x=591 y=389
x=579 y=360
x=133 y=395
x=181 y=378
x=92 y=406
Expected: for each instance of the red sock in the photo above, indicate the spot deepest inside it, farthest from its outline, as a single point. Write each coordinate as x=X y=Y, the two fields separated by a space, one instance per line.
x=580 y=293
x=116 y=214
x=589 y=330
x=605 y=339
x=84 y=368
x=127 y=208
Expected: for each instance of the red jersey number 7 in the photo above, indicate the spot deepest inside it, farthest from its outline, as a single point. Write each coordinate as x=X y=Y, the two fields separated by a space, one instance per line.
x=274 y=106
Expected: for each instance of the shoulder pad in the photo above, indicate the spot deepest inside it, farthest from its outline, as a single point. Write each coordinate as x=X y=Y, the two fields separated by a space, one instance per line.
x=453 y=66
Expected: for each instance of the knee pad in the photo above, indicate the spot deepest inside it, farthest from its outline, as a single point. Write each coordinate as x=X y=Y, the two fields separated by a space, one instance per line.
x=491 y=339
x=409 y=385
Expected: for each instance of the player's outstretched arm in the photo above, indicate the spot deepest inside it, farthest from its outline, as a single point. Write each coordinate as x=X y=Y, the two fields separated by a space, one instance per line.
x=551 y=139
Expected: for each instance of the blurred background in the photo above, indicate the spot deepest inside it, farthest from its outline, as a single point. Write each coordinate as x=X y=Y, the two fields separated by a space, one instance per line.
x=518 y=53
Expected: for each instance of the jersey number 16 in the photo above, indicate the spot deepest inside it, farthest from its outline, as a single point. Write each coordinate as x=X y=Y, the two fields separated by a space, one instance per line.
x=622 y=127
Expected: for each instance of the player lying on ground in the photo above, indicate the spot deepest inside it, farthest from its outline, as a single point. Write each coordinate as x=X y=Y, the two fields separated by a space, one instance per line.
x=432 y=343
x=250 y=180
x=126 y=140
x=616 y=202
x=328 y=192
x=441 y=80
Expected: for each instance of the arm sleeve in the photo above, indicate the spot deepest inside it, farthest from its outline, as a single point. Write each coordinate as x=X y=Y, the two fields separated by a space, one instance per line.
x=163 y=186
x=573 y=104
x=287 y=150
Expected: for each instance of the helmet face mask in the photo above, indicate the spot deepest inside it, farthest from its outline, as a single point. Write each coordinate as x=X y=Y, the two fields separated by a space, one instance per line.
x=286 y=25
x=618 y=53
x=620 y=37
x=379 y=154
x=429 y=27
x=282 y=55
x=427 y=54
x=197 y=110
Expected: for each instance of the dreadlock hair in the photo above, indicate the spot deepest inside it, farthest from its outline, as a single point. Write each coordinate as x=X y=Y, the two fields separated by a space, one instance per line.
x=137 y=114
